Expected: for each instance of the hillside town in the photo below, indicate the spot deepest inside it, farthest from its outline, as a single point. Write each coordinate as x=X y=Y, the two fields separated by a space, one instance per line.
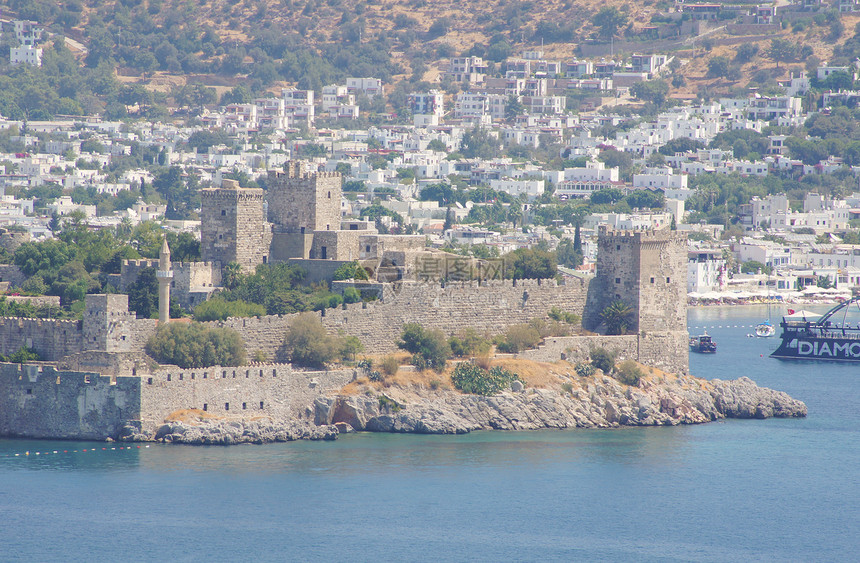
x=501 y=164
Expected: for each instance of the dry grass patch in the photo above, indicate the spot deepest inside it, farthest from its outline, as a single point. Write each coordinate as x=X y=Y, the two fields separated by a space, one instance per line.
x=191 y=416
x=537 y=375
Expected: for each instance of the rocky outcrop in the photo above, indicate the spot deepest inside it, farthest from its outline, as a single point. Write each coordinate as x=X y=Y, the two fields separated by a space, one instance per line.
x=225 y=433
x=592 y=402
x=601 y=402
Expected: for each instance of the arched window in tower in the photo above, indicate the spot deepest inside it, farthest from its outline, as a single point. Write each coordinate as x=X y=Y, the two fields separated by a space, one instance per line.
x=329 y=195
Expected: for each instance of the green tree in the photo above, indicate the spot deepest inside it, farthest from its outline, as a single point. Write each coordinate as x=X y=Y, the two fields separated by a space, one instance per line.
x=782 y=50
x=143 y=294
x=513 y=107
x=567 y=255
x=308 y=344
x=608 y=20
x=718 y=67
x=351 y=271
x=196 y=346
x=654 y=91
x=602 y=359
x=528 y=263
x=746 y=52
x=350 y=346
x=232 y=275
x=440 y=192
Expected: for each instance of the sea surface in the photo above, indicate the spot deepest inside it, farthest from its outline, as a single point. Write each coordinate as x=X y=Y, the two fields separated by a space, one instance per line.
x=740 y=490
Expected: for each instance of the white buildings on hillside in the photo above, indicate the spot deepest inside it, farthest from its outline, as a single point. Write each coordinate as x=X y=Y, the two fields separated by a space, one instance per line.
x=819 y=214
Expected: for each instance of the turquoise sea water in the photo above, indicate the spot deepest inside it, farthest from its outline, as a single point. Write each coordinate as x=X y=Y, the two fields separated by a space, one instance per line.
x=774 y=490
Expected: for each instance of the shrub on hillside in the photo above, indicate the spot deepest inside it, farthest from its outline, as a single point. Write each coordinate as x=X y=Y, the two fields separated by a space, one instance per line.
x=217 y=309
x=429 y=348
x=602 y=359
x=519 y=338
x=584 y=370
x=628 y=373
x=469 y=343
x=557 y=314
x=550 y=328
x=389 y=365
x=470 y=378
x=351 y=295
x=196 y=346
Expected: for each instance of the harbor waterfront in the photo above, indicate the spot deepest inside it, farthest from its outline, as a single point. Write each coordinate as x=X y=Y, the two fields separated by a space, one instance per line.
x=777 y=489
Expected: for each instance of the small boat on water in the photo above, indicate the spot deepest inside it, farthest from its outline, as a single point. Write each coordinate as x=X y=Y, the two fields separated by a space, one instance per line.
x=834 y=336
x=765 y=329
x=703 y=344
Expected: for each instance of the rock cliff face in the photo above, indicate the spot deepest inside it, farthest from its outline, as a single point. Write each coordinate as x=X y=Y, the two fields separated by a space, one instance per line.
x=225 y=433
x=594 y=402
x=600 y=403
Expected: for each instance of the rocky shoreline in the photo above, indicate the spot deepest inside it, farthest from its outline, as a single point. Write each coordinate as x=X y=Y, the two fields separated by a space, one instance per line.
x=595 y=402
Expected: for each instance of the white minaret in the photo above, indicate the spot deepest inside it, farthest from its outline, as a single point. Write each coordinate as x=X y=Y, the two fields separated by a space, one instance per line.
x=164 y=275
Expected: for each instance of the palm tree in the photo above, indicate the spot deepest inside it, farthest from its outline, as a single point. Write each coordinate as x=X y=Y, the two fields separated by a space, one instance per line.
x=232 y=275
x=617 y=317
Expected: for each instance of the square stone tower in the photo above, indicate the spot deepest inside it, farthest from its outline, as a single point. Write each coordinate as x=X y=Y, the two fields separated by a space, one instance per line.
x=648 y=271
x=107 y=323
x=300 y=201
x=233 y=226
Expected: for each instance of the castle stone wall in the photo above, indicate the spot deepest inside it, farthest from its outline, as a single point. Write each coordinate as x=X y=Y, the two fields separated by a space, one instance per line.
x=265 y=390
x=41 y=402
x=576 y=349
x=490 y=307
x=317 y=270
x=52 y=339
x=666 y=350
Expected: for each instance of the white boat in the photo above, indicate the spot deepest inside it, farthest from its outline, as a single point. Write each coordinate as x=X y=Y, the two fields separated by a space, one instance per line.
x=765 y=329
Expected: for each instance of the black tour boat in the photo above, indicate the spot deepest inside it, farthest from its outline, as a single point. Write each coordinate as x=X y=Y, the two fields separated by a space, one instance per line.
x=703 y=344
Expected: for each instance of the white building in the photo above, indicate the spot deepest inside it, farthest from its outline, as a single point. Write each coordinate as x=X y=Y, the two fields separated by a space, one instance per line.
x=660 y=179
x=427 y=107
x=531 y=188
x=64 y=205
x=26 y=54
x=706 y=271
x=467 y=69
x=370 y=87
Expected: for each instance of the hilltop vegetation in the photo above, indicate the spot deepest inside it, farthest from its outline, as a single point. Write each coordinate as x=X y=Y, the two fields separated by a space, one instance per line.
x=189 y=54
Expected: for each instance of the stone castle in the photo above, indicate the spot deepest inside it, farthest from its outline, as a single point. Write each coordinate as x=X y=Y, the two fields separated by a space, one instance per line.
x=97 y=379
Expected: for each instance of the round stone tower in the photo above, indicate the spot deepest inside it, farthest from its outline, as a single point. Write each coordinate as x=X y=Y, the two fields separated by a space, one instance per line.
x=164 y=275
